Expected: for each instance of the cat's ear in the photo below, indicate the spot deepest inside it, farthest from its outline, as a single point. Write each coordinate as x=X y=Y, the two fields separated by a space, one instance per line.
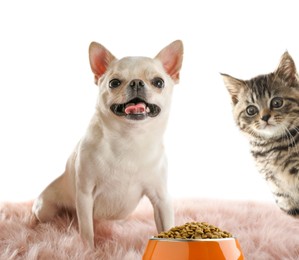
x=286 y=69
x=234 y=86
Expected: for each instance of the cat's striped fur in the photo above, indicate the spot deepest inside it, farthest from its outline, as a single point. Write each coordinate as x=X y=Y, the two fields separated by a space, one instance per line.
x=266 y=109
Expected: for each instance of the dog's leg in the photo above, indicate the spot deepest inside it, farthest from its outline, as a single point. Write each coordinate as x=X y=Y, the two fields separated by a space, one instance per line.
x=45 y=207
x=163 y=211
x=164 y=216
x=84 y=206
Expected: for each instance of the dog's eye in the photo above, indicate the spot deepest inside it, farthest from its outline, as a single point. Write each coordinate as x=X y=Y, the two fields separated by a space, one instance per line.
x=114 y=83
x=158 y=82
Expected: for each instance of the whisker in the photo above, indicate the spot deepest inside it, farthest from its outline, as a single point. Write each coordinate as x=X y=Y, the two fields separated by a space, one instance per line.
x=292 y=140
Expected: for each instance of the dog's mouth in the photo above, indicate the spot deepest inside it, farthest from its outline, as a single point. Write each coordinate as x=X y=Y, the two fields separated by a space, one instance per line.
x=136 y=109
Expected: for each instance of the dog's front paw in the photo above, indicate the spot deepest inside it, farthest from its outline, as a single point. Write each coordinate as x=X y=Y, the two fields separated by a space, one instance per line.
x=88 y=240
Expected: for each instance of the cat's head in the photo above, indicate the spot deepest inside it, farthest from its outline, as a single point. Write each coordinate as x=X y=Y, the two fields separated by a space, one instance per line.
x=267 y=106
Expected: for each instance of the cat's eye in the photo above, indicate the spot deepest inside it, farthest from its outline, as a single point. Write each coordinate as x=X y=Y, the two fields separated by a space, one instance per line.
x=158 y=82
x=276 y=102
x=251 y=110
x=114 y=83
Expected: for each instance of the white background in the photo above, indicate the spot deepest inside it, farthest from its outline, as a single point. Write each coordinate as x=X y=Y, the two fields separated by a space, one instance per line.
x=47 y=94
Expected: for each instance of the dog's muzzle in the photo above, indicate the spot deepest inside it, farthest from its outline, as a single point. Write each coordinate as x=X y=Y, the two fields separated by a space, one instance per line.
x=136 y=109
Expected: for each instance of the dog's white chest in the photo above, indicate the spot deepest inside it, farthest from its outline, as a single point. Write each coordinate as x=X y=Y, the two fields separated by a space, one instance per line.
x=116 y=199
x=118 y=182
x=120 y=193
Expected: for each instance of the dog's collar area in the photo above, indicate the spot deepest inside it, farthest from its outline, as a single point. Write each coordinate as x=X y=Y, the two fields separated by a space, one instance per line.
x=136 y=109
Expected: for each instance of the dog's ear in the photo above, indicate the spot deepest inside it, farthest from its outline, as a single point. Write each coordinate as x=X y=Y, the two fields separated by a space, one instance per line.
x=99 y=58
x=172 y=57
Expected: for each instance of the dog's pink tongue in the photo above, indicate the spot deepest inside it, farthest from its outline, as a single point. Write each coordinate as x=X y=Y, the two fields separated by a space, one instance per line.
x=135 y=108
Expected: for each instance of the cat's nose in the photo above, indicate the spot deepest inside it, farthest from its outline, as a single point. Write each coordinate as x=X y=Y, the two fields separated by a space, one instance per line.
x=266 y=117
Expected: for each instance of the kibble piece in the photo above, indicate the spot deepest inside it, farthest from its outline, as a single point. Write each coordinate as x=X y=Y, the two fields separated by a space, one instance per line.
x=194 y=230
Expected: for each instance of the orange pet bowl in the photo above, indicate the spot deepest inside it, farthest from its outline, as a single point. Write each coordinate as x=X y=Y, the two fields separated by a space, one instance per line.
x=193 y=249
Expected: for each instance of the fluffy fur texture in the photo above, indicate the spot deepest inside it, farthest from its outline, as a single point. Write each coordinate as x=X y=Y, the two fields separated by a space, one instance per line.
x=266 y=109
x=263 y=231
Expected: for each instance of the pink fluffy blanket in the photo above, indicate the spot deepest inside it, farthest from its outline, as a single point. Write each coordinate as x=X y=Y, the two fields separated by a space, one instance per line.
x=263 y=231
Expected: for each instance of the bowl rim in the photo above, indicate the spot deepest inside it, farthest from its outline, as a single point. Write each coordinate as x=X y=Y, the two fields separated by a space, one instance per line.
x=191 y=240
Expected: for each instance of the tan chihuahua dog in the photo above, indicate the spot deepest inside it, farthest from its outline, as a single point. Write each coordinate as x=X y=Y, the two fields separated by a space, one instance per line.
x=121 y=156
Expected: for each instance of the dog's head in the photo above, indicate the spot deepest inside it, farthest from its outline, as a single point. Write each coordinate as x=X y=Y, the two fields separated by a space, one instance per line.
x=136 y=88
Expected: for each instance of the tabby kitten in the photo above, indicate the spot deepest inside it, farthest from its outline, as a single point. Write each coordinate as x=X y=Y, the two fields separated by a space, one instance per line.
x=266 y=109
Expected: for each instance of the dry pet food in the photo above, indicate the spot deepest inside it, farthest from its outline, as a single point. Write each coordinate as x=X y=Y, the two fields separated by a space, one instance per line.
x=194 y=230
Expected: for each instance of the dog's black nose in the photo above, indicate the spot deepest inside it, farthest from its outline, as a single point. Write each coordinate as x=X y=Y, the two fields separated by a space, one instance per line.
x=136 y=84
